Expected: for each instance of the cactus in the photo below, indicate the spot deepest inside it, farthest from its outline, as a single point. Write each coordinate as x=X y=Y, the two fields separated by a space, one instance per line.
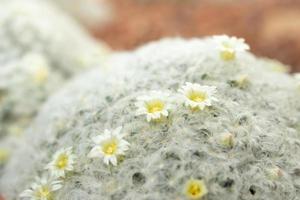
x=40 y=48
x=220 y=137
x=92 y=13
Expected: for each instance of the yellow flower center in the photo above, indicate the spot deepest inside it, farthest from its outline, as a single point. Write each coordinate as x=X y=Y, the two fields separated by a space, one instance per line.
x=62 y=161
x=44 y=193
x=4 y=154
x=195 y=189
x=40 y=75
x=155 y=106
x=243 y=81
x=110 y=147
x=227 y=55
x=197 y=96
x=228 y=140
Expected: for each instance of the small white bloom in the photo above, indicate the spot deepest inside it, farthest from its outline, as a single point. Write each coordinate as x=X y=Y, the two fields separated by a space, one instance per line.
x=109 y=145
x=63 y=160
x=37 y=66
x=227 y=139
x=230 y=46
x=42 y=189
x=40 y=74
x=155 y=105
x=197 y=96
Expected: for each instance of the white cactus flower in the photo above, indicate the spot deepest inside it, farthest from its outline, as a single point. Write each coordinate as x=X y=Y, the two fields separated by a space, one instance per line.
x=227 y=139
x=41 y=189
x=109 y=145
x=155 y=105
x=230 y=46
x=195 y=189
x=37 y=66
x=198 y=96
x=63 y=160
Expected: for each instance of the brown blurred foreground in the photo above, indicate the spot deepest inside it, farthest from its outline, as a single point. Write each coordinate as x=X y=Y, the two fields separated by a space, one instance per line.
x=271 y=27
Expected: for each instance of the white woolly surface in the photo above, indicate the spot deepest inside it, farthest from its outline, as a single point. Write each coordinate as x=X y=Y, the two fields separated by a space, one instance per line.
x=35 y=34
x=264 y=117
x=32 y=25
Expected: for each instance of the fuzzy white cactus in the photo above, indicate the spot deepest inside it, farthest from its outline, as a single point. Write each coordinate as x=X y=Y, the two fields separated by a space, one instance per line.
x=243 y=145
x=92 y=13
x=40 y=48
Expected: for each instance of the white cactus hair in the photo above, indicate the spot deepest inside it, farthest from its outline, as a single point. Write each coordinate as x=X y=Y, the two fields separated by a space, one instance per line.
x=36 y=34
x=264 y=118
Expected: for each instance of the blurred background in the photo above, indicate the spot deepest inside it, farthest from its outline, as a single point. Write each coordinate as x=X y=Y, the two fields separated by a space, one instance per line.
x=271 y=27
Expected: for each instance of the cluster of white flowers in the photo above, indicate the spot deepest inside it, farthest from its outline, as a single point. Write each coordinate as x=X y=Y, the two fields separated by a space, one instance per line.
x=156 y=106
x=111 y=144
x=43 y=188
x=108 y=146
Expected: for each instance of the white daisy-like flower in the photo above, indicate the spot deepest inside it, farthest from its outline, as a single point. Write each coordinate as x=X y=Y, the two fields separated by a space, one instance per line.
x=63 y=160
x=37 y=66
x=155 y=105
x=40 y=75
x=198 y=96
x=109 y=145
x=195 y=189
x=230 y=46
x=227 y=139
x=42 y=189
